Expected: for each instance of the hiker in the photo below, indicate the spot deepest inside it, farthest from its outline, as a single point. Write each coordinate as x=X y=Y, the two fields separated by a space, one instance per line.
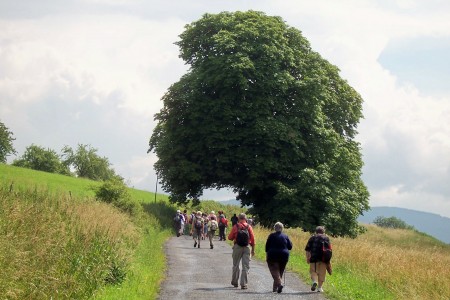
x=318 y=265
x=178 y=223
x=212 y=214
x=191 y=218
x=242 y=236
x=186 y=218
x=205 y=227
x=277 y=255
x=234 y=220
x=212 y=227
x=223 y=223
x=197 y=228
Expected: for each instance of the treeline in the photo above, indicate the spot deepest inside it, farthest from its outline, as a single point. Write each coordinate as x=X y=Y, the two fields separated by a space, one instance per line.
x=83 y=161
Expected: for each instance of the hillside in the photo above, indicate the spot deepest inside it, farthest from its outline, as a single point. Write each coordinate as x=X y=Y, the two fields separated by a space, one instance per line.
x=432 y=224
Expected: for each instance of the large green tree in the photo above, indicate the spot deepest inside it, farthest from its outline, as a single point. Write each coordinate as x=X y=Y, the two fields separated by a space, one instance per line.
x=38 y=158
x=263 y=114
x=6 y=143
x=87 y=163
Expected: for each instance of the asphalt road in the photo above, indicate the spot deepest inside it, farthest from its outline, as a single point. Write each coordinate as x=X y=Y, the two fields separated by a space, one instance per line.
x=205 y=273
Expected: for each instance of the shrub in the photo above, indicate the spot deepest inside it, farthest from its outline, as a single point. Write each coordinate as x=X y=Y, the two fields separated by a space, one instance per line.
x=115 y=192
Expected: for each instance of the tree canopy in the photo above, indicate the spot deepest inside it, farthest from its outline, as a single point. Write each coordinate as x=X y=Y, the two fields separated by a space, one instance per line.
x=262 y=113
x=6 y=143
x=38 y=158
x=87 y=163
x=391 y=222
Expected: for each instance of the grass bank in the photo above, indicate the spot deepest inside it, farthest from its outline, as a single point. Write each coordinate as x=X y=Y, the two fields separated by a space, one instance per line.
x=57 y=242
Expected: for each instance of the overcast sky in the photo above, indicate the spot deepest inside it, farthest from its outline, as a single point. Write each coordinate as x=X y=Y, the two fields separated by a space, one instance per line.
x=94 y=71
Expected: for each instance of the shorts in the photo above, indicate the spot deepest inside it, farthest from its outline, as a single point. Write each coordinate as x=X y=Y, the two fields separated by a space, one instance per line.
x=318 y=270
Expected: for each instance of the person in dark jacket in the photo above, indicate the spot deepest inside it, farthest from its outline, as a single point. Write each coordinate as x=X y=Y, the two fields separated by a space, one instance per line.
x=317 y=268
x=278 y=245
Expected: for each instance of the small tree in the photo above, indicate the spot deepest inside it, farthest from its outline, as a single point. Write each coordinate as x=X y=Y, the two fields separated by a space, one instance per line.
x=6 y=146
x=39 y=158
x=391 y=222
x=87 y=163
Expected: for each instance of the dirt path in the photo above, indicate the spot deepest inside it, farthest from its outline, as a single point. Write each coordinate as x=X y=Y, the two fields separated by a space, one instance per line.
x=206 y=274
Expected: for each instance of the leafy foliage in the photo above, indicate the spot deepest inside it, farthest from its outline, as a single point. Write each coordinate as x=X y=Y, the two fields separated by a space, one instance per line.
x=6 y=146
x=87 y=163
x=39 y=158
x=391 y=222
x=115 y=191
x=263 y=114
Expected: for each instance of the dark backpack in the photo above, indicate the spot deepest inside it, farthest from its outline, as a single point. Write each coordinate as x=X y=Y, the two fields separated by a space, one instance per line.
x=321 y=249
x=327 y=252
x=242 y=237
x=198 y=223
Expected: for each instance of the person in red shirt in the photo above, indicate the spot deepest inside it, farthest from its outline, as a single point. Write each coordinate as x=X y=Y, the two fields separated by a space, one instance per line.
x=243 y=237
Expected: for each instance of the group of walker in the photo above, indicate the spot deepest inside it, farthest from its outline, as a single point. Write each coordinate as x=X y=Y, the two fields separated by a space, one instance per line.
x=277 y=249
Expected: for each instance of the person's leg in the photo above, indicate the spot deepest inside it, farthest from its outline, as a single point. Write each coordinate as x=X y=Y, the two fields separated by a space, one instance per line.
x=321 y=273
x=199 y=234
x=275 y=272
x=245 y=266
x=221 y=234
x=237 y=255
x=313 y=273
x=282 y=268
x=210 y=236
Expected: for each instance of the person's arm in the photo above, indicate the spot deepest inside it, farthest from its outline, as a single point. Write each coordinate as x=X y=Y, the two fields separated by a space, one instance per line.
x=252 y=239
x=289 y=244
x=232 y=234
x=308 y=256
x=308 y=251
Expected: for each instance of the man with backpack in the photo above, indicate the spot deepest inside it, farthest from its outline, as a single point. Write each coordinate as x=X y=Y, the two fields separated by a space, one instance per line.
x=223 y=224
x=197 y=228
x=212 y=227
x=178 y=221
x=318 y=255
x=242 y=236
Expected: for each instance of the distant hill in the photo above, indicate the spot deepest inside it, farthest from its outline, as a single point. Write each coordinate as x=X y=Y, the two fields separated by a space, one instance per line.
x=431 y=224
x=231 y=202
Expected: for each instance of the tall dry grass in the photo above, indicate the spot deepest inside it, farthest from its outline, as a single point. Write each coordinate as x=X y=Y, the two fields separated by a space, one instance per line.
x=57 y=247
x=407 y=264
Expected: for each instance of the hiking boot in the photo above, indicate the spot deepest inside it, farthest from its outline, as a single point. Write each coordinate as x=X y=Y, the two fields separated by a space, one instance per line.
x=320 y=290
x=195 y=244
x=313 y=286
x=280 y=289
x=212 y=247
x=244 y=287
x=235 y=284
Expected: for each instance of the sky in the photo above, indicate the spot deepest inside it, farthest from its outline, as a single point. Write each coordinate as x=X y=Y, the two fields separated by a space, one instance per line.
x=93 y=72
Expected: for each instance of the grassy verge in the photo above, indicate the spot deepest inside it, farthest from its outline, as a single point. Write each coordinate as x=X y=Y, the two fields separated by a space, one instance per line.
x=61 y=248
x=56 y=241
x=380 y=264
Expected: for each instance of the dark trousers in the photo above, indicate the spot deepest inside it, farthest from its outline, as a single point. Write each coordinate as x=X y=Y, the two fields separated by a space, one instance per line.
x=222 y=233
x=276 y=269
